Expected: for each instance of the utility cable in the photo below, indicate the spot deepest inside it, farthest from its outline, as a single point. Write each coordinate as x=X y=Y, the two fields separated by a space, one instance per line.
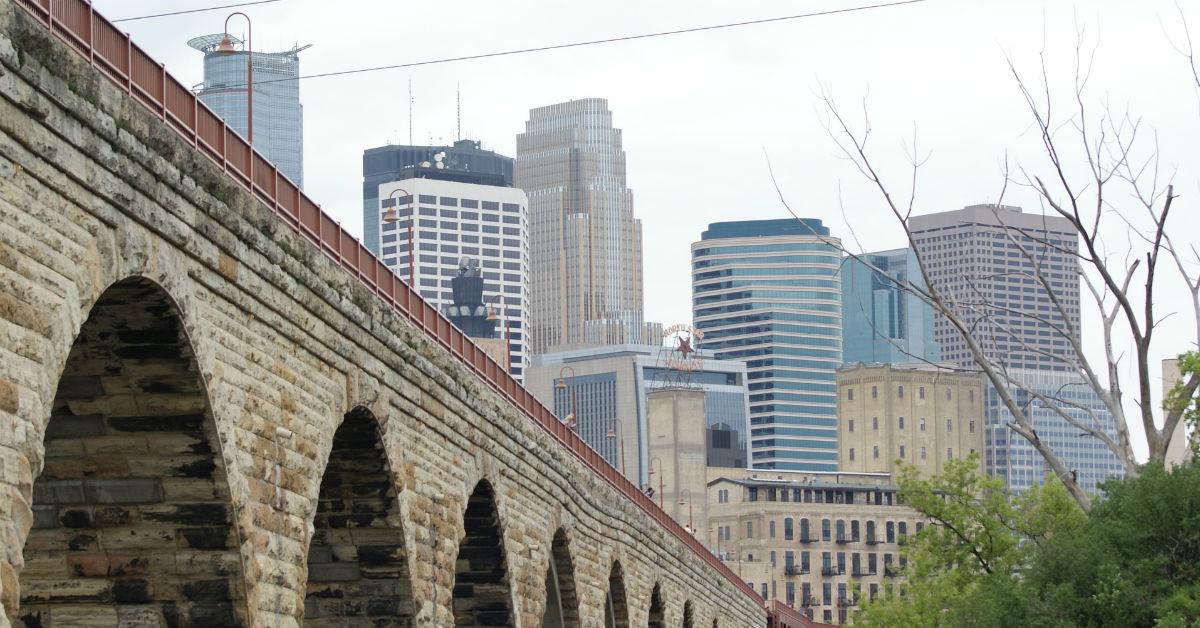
x=225 y=6
x=594 y=42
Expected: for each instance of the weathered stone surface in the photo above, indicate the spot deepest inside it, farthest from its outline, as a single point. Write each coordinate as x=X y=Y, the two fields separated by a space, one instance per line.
x=219 y=375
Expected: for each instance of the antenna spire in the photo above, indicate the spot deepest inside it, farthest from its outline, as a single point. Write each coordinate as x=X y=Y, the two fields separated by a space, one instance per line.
x=458 y=106
x=410 y=108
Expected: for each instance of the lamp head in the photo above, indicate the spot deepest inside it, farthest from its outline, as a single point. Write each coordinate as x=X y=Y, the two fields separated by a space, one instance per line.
x=391 y=215
x=226 y=46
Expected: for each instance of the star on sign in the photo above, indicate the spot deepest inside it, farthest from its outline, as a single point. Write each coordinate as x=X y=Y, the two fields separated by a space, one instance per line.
x=684 y=346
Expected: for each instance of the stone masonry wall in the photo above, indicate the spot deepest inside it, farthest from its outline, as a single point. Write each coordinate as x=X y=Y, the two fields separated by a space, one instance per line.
x=94 y=189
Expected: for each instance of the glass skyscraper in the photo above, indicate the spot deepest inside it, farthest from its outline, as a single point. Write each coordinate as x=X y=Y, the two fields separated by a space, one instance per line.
x=585 y=244
x=278 y=115
x=881 y=321
x=1011 y=457
x=768 y=293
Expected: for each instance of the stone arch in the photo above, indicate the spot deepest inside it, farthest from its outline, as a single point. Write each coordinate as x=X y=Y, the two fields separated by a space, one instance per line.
x=358 y=571
x=481 y=594
x=656 y=616
x=616 y=605
x=688 y=613
x=562 y=600
x=133 y=521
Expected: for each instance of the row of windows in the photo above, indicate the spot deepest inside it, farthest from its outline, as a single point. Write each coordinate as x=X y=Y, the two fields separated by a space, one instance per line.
x=448 y=201
x=900 y=424
x=764 y=248
x=903 y=452
x=878 y=497
x=448 y=226
x=920 y=393
x=768 y=294
x=836 y=531
x=770 y=260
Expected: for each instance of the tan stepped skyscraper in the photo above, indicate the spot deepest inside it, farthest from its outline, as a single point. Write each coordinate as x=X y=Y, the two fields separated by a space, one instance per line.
x=585 y=244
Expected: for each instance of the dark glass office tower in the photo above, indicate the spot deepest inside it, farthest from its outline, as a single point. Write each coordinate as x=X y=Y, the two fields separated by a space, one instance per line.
x=464 y=162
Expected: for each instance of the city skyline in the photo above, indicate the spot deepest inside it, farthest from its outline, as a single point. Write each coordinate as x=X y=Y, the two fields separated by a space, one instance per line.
x=278 y=423
x=968 y=157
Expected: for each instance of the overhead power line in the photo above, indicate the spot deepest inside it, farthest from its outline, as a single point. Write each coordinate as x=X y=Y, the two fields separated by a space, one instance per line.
x=224 y=6
x=594 y=42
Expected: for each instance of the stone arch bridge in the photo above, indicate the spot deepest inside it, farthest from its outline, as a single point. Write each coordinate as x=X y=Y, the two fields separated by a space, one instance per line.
x=217 y=409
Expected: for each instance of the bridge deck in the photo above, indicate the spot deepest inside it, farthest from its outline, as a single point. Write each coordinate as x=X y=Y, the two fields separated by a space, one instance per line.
x=117 y=57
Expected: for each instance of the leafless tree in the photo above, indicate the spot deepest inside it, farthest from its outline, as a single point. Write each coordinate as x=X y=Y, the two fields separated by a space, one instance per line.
x=1099 y=172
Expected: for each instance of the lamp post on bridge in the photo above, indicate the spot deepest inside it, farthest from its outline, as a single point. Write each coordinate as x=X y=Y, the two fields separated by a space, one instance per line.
x=492 y=316
x=226 y=48
x=619 y=433
x=652 y=471
x=393 y=216
x=571 y=419
x=689 y=505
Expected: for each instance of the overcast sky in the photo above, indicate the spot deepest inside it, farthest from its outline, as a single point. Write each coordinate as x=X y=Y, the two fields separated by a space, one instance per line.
x=699 y=111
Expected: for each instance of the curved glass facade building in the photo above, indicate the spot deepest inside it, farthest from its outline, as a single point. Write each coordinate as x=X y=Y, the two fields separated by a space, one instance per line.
x=278 y=116
x=768 y=293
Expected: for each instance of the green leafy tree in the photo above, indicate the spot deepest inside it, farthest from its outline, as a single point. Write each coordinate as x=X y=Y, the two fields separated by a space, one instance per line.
x=978 y=537
x=1132 y=562
x=1184 y=400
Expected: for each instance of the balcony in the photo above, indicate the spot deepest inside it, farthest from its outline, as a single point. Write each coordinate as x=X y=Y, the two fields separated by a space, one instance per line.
x=860 y=572
x=795 y=570
x=808 y=602
x=841 y=540
x=847 y=601
x=872 y=540
x=808 y=539
x=890 y=571
x=832 y=571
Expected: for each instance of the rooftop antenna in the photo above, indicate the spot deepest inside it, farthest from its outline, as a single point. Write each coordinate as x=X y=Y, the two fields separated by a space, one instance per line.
x=410 y=108
x=458 y=106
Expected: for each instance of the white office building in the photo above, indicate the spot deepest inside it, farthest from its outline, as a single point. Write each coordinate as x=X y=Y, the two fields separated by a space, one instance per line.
x=454 y=220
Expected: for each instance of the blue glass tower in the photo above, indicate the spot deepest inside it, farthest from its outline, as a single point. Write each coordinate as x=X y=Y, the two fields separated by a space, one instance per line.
x=278 y=115
x=768 y=293
x=881 y=321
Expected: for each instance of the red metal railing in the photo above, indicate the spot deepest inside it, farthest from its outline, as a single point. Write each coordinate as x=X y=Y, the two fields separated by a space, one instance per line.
x=117 y=57
x=780 y=615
